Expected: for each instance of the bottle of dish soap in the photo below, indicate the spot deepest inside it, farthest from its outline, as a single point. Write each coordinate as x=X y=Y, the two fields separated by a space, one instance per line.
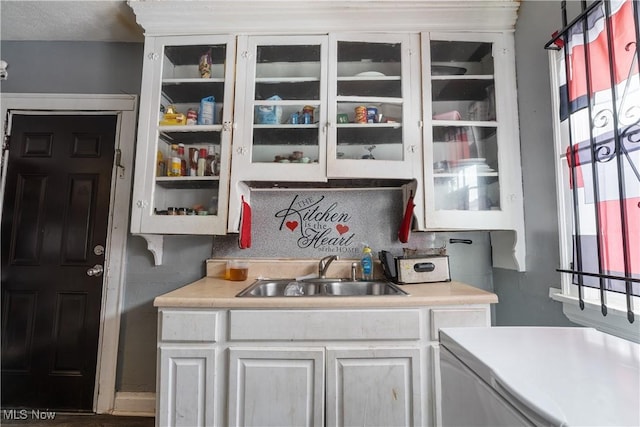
x=367 y=263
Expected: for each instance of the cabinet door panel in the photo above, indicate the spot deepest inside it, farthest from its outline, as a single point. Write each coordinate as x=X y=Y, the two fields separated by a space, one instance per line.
x=281 y=105
x=186 y=387
x=373 y=119
x=380 y=387
x=276 y=387
x=471 y=151
x=187 y=98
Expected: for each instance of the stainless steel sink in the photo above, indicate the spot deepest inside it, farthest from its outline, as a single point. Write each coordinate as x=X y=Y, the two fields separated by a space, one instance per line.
x=320 y=287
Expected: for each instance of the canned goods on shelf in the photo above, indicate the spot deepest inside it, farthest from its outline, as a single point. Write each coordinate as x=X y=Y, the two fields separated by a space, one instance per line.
x=361 y=114
x=308 y=109
x=372 y=114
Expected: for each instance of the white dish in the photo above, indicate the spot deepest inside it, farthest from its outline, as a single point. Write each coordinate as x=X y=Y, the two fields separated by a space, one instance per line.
x=472 y=161
x=370 y=74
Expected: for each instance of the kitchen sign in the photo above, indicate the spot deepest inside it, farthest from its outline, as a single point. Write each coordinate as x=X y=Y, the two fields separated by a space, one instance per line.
x=312 y=223
x=316 y=221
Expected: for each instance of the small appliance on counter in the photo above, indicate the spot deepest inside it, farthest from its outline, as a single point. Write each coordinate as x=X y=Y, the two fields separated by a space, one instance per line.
x=416 y=268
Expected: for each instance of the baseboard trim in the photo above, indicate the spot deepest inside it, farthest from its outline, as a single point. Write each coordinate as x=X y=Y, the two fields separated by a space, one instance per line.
x=135 y=404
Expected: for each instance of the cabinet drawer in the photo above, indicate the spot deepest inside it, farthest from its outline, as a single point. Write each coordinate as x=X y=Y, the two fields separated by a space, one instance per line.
x=266 y=325
x=457 y=317
x=188 y=325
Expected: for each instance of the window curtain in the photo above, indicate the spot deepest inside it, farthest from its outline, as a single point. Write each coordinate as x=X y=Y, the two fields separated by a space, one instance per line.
x=600 y=105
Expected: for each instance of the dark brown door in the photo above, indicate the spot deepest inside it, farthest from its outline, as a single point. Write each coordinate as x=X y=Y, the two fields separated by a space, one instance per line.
x=54 y=224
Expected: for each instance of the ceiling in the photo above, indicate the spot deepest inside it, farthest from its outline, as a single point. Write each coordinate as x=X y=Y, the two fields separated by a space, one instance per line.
x=71 y=20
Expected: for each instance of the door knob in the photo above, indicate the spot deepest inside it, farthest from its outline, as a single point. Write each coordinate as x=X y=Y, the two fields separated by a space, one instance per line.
x=96 y=270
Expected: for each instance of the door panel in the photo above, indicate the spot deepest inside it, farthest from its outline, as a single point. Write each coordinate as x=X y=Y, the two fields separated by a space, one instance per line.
x=55 y=212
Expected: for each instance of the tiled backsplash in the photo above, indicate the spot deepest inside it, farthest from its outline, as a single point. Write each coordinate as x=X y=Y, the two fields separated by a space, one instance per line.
x=316 y=223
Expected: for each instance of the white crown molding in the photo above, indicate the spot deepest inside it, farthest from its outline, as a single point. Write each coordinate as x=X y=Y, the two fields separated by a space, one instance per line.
x=175 y=17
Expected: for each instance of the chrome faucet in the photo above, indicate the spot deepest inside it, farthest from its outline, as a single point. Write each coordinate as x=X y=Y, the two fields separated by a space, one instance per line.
x=324 y=265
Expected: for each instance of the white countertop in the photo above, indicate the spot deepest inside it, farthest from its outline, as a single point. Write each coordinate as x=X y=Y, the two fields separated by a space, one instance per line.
x=567 y=376
x=214 y=291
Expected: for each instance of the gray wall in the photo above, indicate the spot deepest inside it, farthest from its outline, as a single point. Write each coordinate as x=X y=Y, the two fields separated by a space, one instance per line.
x=60 y=67
x=112 y=68
x=524 y=297
x=72 y=67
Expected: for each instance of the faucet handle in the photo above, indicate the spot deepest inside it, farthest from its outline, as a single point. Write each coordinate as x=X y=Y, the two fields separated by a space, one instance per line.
x=354 y=270
x=323 y=265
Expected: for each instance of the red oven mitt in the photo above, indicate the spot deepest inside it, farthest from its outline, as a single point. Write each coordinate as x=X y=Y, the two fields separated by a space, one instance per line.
x=405 y=226
x=244 y=240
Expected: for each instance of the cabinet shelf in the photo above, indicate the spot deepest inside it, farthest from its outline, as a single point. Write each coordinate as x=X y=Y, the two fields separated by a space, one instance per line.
x=191 y=80
x=312 y=102
x=457 y=174
x=464 y=77
x=191 y=134
x=286 y=79
x=190 y=129
x=462 y=123
x=287 y=126
x=368 y=78
x=369 y=99
x=394 y=125
x=187 y=182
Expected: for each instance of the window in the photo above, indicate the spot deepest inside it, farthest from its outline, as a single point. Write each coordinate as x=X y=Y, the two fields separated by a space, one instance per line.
x=596 y=85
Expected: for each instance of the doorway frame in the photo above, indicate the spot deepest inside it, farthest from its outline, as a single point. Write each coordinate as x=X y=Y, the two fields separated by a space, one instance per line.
x=125 y=108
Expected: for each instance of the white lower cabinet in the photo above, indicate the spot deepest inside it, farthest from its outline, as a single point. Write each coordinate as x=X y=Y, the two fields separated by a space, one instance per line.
x=376 y=386
x=303 y=367
x=186 y=386
x=276 y=387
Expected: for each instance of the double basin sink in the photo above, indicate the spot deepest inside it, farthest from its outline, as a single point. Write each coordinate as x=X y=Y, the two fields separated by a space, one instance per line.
x=320 y=288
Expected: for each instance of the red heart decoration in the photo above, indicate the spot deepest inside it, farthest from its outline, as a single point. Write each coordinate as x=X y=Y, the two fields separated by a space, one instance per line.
x=291 y=225
x=342 y=228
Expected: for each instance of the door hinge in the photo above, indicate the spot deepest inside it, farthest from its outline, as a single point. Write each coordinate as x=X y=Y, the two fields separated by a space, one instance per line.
x=119 y=166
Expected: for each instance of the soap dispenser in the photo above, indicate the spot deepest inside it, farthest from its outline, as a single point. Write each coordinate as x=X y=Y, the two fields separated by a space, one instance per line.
x=367 y=263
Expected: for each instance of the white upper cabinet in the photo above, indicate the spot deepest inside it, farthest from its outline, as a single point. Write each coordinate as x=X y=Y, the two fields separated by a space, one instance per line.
x=373 y=127
x=281 y=109
x=183 y=76
x=429 y=97
x=472 y=174
x=312 y=108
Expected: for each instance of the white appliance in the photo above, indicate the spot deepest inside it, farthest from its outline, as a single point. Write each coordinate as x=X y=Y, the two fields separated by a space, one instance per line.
x=511 y=376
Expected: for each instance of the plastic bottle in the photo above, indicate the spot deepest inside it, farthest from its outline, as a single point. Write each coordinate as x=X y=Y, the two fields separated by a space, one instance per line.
x=173 y=162
x=366 y=262
x=184 y=169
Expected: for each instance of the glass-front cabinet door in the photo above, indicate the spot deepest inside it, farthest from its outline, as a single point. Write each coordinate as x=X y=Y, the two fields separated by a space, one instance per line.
x=182 y=169
x=281 y=109
x=373 y=112
x=466 y=144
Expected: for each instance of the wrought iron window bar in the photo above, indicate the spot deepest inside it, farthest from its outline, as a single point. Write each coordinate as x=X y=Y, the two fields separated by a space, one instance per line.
x=601 y=151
